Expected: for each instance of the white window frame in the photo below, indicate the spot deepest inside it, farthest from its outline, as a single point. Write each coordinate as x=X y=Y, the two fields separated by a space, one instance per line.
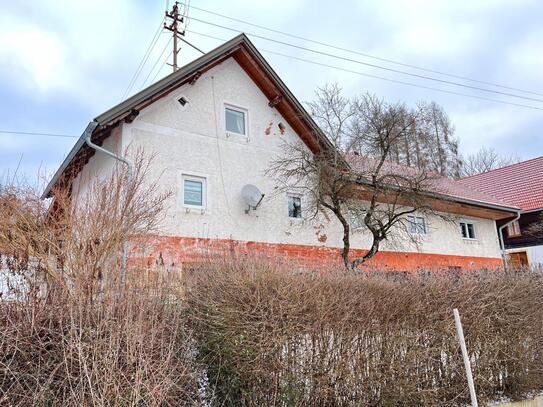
x=196 y=178
x=295 y=195
x=239 y=109
x=415 y=225
x=475 y=231
x=356 y=221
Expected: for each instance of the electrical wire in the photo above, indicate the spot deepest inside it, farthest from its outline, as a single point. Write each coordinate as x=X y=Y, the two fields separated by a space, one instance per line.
x=156 y=63
x=365 y=54
x=29 y=133
x=380 y=77
x=144 y=59
x=368 y=64
x=162 y=66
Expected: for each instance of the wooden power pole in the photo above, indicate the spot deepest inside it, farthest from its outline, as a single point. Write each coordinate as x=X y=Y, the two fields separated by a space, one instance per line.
x=173 y=27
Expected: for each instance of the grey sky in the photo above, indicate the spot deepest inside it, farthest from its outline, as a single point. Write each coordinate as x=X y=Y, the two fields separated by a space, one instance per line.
x=64 y=62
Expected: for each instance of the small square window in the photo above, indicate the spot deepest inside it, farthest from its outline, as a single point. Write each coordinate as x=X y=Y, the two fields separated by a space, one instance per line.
x=356 y=219
x=467 y=230
x=417 y=225
x=294 y=206
x=194 y=192
x=513 y=229
x=235 y=121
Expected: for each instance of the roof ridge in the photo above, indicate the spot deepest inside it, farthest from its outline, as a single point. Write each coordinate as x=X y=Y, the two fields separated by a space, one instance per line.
x=501 y=168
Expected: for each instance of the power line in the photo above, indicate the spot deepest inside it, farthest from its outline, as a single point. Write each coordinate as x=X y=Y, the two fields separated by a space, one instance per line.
x=144 y=59
x=29 y=133
x=365 y=54
x=370 y=65
x=156 y=62
x=380 y=77
x=162 y=66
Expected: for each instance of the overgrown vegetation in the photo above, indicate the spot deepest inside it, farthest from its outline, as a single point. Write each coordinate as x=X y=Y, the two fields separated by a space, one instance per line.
x=239 y=332
x=272 y=337
x=70 y=333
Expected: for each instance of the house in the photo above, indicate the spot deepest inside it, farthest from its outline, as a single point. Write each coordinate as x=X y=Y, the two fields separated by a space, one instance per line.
x=213 y=126
x=520 y=185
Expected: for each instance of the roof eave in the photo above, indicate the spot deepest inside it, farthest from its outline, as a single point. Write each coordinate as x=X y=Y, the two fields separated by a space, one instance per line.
x=73 y=152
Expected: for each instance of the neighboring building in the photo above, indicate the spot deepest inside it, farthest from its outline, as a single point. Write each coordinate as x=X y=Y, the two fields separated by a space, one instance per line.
x=214 y=126
x=519 y=185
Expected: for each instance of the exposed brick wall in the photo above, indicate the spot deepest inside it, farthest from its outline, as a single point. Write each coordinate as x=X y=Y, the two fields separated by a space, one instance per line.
x=173 y=251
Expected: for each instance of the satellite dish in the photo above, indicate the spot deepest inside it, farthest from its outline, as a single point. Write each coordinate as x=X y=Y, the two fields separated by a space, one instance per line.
x=252 y=196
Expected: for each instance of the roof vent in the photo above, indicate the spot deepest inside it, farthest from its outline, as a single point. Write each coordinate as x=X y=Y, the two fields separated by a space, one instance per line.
x=182 y=101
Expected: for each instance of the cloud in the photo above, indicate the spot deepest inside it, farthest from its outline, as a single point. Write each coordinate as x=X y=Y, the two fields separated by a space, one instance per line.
x=36 y=59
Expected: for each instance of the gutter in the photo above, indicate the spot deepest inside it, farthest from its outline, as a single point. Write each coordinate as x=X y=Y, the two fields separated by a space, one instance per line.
x=73 y=152
x=500 y=235
x=129 y=174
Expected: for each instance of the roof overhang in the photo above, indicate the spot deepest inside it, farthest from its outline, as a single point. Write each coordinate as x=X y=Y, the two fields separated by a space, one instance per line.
x=450 y=204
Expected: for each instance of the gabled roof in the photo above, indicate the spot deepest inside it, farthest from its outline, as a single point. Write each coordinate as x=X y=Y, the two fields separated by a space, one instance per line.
x=439 y=186
x=253 y=63
x=519 y=184
x=247 y=56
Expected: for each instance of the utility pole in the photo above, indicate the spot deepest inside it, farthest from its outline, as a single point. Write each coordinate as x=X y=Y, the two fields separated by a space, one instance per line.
x=175 y=19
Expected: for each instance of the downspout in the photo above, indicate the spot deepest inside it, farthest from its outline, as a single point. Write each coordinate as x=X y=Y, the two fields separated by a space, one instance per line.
x=500 y=234
x=129 y=172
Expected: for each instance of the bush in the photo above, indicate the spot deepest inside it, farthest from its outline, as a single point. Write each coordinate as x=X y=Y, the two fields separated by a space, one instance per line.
x=71 y=332
x=129 y=350
x=273 y=337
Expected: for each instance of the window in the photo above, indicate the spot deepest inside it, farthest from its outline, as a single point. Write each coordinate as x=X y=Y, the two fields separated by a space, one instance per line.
x=467 y=230
x=294 y=206
x=356 y=218
x=513 y=229
x=235 y=120
x=193 y=191
x=417 y=225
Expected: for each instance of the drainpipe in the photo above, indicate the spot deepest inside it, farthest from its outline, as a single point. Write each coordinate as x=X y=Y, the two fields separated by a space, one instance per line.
x=129 y=171
x=500 y=234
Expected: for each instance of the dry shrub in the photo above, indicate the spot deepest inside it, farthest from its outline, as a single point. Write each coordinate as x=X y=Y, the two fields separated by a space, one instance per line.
x=274 y=337
x=129 y=350
x=73 y=335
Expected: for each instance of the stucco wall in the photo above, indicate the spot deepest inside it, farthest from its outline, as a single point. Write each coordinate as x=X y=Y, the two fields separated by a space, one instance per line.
x=192 y=140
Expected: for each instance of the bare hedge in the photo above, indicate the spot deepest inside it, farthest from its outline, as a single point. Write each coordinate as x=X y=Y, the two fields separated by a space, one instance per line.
x=273 y=337
x=124 y=350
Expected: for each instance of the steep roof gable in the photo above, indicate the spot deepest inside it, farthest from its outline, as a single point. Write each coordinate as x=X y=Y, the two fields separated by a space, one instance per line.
x=519 y=184
x=246 y=55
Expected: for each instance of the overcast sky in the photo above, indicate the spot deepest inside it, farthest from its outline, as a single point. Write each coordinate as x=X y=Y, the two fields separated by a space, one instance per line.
x=64 y=62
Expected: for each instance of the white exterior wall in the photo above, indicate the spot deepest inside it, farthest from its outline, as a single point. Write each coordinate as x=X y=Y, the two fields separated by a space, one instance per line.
x=99 y=167
x=535 y=256
x=192 y=140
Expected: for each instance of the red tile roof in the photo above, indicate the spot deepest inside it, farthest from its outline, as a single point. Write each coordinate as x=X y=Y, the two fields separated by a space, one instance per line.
x=519 y=184
x=438 y=184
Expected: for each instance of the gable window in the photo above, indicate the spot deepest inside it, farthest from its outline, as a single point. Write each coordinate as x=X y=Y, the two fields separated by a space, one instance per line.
x=236 y=120
x=416 y=225
x=193 y=192
x=468 y=230
x=294 y=206
x=513 y=229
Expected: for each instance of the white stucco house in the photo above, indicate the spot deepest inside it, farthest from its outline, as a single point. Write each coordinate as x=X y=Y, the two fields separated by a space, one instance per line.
x=213 y=127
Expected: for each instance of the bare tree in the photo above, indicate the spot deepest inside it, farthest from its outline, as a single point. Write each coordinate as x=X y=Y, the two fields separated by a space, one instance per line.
x=356 y=181
x=536 y=228
x=486 y=159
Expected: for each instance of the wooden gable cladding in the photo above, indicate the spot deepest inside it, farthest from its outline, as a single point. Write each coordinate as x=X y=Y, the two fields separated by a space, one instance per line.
x=276 y=97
